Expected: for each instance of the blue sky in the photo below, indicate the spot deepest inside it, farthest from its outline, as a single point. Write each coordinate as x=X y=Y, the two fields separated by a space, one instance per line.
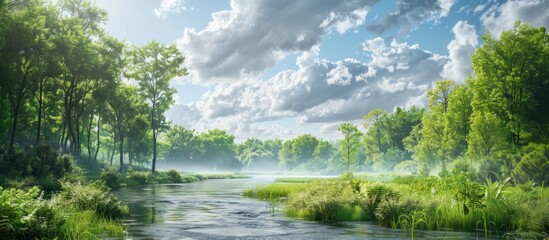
x=281 y=68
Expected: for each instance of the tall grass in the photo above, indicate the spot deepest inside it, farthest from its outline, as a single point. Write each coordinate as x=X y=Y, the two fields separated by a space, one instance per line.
x=87 y=225
x=456 y=201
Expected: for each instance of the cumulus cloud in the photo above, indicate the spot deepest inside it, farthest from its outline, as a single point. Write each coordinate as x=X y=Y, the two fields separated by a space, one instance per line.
x=242 y=42
x=407 y=14
x=460 y=51
x=502 y=17
x=169 y=6
x=322 y=91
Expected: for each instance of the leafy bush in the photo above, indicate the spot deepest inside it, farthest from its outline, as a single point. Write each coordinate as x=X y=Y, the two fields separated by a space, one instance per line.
x=111 y=176
x=139 y=177
x=174 y=175
x=376 y=193
x=534 y=165
x=94 y=197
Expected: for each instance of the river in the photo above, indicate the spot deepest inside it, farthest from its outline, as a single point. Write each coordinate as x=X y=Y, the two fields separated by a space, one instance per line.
x=216 y=209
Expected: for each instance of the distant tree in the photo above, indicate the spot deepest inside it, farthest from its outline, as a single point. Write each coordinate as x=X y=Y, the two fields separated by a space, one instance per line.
x=218 y=149
x=376 y=135
x=153 y=66
x=297 y=151
x=349 y=146
x=182 y=144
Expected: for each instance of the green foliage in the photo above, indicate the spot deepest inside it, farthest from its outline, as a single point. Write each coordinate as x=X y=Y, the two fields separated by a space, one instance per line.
x=153 y=66
x=40 y=165
x=350 y=144
x=487 y=137
x=328 y=200
x=457 y=202
x=297 y=151
x=534 y=164
x=139 y=177
x=27 y=215
x=174 y=175
x=277 y=190
x=93 y=197
x=110 y=176
x=510 y=81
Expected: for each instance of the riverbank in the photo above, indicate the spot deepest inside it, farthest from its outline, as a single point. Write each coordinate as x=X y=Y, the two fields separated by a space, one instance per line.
x=133 y=178
x=455 y=202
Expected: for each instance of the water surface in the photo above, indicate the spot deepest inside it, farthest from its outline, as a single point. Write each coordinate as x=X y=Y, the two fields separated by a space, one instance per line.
x=216 y=209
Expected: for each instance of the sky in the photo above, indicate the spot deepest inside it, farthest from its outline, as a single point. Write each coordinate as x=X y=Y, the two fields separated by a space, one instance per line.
x=282 y=68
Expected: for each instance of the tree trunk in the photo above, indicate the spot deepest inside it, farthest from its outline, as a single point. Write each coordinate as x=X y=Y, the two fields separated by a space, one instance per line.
x=121 y=150
x=153 y=126
x=98 y=136
x=40 y=103
x=154 y=151
x=89 y=135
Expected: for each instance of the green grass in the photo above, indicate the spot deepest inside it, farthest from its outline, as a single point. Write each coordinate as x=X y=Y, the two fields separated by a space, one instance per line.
x=87 y=225
x=296 y=180
x=455 y=202
x=275 y=190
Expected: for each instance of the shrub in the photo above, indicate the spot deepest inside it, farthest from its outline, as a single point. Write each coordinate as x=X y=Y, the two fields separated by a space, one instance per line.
x=139 y=177
x=387 y=213
x=534 y=165
x=94 y=197
x=174 y=175
x=111 y=176
x=376 y=193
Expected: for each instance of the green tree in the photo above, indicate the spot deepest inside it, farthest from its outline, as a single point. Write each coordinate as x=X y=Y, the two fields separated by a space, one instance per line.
x=510 y=80
x=375 y=138
x=183 y=144
x=297 y=151
x=219 y=149
x=399 y=124
x=349 y=146
x=153 y=66
x=487 y=137
x=458 y=120
x=434 y=137
x=24 y=49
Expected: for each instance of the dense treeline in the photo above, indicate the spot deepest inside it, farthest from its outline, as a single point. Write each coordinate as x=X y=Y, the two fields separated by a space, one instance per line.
x=67 y=83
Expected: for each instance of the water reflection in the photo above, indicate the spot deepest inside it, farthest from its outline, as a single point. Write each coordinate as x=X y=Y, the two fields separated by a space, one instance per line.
x=215 y=209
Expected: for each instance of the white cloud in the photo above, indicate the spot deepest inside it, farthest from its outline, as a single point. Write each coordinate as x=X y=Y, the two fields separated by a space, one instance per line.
x=460 y=51
x=339 y=76
x=242 y=42
x=503 y=17
x=170 y=6
x=322 y=91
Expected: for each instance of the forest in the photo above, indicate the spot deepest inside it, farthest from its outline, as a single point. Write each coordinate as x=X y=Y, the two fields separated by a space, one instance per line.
x=74 y=98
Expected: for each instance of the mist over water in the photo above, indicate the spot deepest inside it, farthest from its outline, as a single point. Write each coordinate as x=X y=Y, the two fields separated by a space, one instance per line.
x=216 y=209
